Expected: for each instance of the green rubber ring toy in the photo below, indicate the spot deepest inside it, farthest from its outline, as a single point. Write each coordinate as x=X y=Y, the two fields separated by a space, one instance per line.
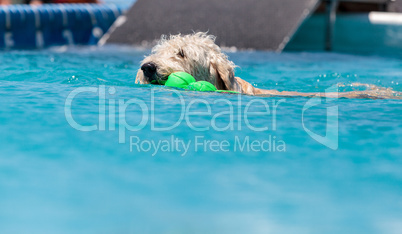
x=179 y=80
x=184 y=80
x=203 y=86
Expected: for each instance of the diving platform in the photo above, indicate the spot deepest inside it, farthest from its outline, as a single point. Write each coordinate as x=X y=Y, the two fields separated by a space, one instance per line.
x=256 y=24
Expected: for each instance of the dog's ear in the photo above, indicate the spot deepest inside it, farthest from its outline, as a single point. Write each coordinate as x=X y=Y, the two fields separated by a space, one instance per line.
x=223 y=72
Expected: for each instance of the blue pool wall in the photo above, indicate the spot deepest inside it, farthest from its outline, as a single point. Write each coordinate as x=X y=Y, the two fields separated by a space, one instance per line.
x=23 y=26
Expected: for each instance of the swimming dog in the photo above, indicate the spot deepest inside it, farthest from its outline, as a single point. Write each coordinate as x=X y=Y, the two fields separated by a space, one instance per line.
x=198 y=55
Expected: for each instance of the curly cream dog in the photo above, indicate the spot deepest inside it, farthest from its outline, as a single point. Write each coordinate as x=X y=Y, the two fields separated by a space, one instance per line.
x=198 y=55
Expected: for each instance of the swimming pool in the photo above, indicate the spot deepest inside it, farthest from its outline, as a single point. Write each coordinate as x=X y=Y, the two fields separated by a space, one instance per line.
x=57 y=179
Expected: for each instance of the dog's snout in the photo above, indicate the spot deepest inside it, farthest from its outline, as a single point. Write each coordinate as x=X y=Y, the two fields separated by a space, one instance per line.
x=149 y=69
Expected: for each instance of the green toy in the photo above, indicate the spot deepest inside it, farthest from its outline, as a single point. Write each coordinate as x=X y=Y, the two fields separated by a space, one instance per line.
x=203 y=86
x=184 y=80
x=179 y=80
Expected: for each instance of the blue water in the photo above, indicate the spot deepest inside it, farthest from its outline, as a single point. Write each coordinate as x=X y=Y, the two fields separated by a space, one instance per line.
x=57 y=179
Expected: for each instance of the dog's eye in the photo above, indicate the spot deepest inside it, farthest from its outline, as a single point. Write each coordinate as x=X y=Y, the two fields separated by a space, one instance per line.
x=181 y=53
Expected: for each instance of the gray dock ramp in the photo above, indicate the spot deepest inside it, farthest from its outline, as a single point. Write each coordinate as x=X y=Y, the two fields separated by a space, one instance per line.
x=246 y=24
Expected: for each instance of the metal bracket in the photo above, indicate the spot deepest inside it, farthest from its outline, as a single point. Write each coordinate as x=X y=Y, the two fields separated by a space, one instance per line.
x=332 y=6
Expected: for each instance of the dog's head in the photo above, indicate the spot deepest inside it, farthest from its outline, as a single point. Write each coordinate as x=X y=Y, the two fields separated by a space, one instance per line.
x=196 y=54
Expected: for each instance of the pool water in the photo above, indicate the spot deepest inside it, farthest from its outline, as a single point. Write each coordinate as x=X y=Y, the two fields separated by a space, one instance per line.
x=57 y=178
